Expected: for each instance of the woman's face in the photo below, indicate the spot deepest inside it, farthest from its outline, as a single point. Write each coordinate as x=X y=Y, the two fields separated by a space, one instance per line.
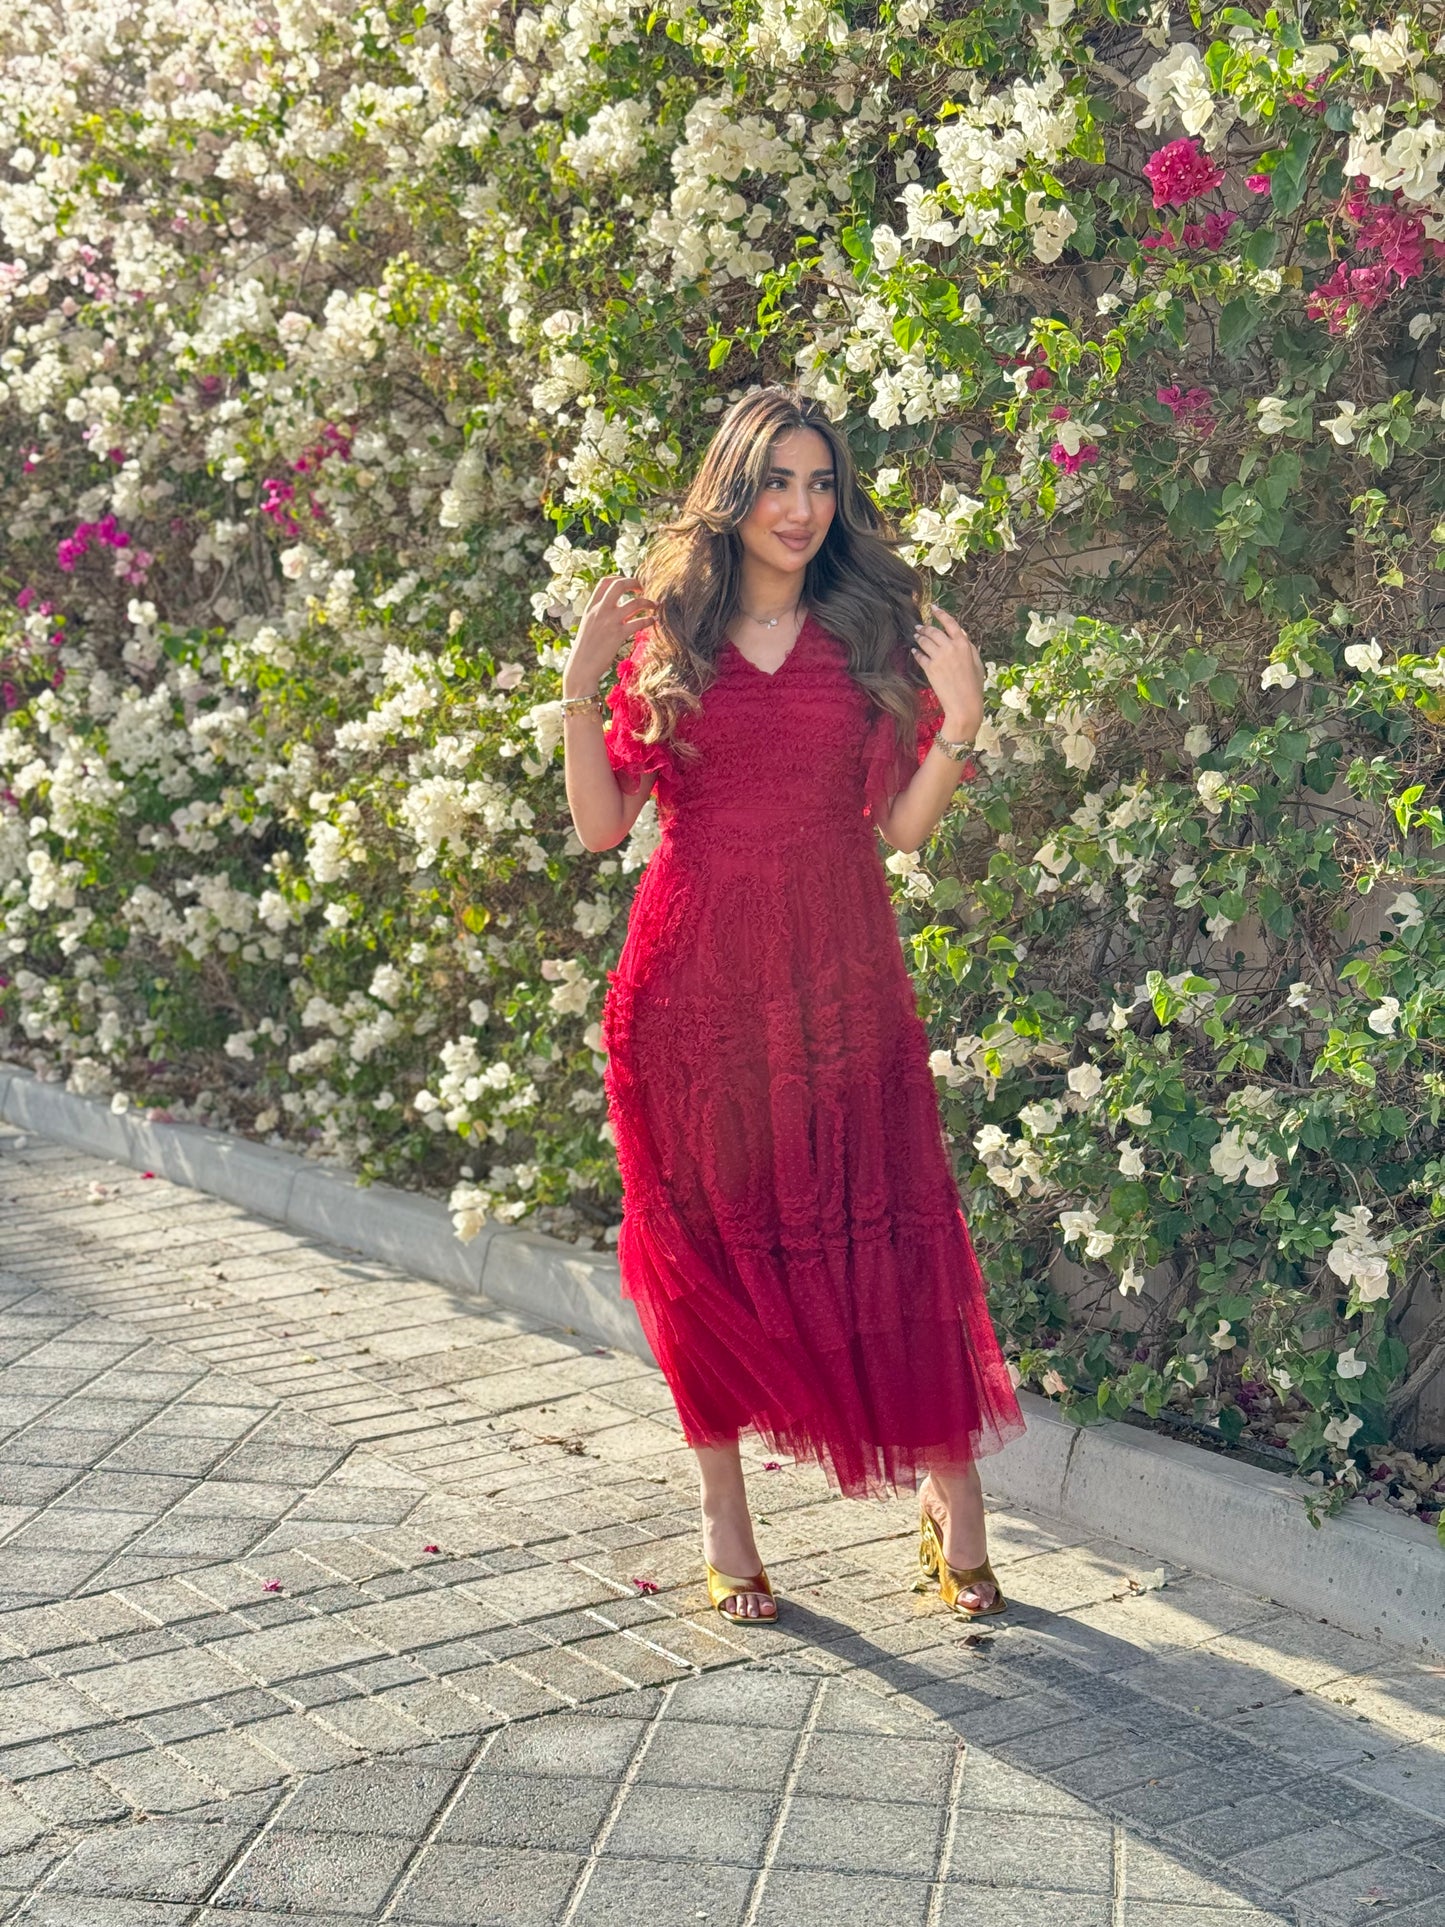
x=785 y=527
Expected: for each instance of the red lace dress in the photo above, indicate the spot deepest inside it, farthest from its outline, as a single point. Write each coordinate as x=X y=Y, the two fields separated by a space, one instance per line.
x=791 y=1236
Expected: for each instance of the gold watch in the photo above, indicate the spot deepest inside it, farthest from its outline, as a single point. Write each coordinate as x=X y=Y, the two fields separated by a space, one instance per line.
x=955 y=752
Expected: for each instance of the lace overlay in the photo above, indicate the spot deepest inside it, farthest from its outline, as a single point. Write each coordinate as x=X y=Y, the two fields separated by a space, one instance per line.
x=792 y=1236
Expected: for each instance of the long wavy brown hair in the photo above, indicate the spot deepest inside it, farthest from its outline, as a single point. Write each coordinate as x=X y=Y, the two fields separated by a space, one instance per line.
x=856 y=585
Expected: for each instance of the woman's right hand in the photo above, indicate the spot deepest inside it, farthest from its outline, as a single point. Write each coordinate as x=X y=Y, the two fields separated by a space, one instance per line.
x=617 y=610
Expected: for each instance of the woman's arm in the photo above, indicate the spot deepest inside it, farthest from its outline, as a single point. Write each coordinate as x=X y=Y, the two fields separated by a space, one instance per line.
x=602 y=811
x=954 y=669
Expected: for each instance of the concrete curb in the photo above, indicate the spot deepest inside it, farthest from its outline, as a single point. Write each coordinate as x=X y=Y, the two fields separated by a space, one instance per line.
x=1370 y=1572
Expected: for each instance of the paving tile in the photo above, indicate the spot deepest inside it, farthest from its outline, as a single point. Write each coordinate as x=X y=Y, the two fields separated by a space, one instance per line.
x=477 y=1886
x=1232 y=1830
x=377 y=1797
x=763 y=1698
x=555 y=1811
x=566 y=1743
x=1013 y=1850
x=626 y=1893
x=1372 y=1887
x=167 y=1859
x=968 y=1906
x=693 y=1823
x=700 y=1753
x=853 y=1836
x=1296 y=1858
x=59 y=1910
x=289 y=1871
x=818 y=1899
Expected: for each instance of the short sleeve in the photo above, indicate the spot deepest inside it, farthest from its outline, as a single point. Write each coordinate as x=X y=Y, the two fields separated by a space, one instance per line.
x=890 y=765
x=630 y=757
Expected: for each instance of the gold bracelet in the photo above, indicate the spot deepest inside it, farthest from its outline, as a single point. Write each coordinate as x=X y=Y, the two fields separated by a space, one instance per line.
x=581 y=705
x=958 y=752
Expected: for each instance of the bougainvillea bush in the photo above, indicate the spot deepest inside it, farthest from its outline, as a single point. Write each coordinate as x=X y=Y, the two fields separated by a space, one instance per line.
x=344 y=347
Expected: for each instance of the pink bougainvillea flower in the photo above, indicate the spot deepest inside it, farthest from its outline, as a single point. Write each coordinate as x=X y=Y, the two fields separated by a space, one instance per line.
x=772 y=1465
x=106 y=533
x=1309 y=102
x=1163 y=239
x=431 y=1548
x=1180 y=172
x=1193 y=236
x=147 y=1174
x=1217 y=226
x=1071 y=464
x=644 y=1585
x=1191 y=408
x=1257 y=183
x=9 y=695
x=1058 y=413
x=271 y=1585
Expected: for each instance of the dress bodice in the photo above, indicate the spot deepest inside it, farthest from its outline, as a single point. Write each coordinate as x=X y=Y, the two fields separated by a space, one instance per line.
x=802 y=745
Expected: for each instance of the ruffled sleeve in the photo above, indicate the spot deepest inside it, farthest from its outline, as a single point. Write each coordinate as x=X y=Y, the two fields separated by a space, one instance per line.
x=630 y=757
x=890 y=765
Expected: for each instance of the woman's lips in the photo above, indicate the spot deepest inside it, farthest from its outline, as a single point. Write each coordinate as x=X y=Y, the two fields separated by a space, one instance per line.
x=795 y=541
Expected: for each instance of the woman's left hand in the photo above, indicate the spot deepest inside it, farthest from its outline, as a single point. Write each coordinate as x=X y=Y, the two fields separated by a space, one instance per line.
x=955 y=671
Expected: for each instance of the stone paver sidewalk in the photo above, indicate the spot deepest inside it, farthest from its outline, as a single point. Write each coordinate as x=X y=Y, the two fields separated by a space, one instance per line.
x=328 y=1596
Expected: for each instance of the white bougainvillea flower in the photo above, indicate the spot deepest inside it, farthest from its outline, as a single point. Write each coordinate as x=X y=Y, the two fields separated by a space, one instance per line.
x=1276 y=414
x=1407 y=911
x=1076 y=1225
x=1043 y=1118
x=1222 y=1338
x=1383 y=1018
x=887 y=248
x=1299 y=995
x=1197 y=741
x=1131 y=1160
x=1131 y=1279
x=1348 y=1365
x=1344 y=424
x=1086 y=1081
x=1357 y=1258
x=1387 y=50
x=1210 y=785
x=1340 y=1431
x=1365 y=656
x=1177 y=84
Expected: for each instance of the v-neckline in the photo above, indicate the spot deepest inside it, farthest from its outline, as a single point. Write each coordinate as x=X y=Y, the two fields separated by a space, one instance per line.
x=771 y=673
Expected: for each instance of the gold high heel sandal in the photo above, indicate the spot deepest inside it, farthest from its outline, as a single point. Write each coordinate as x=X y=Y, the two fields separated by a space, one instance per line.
x=953 y=1582
x=721 y=1587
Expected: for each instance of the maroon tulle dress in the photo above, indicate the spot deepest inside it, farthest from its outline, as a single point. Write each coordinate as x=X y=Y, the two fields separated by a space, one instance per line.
x=791 y=1236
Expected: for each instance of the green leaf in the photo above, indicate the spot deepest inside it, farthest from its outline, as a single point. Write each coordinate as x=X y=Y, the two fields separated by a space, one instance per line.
x=1392 y=1355
x=1239 y=322
x=1231 y=1422
x=1259 y=248
x=1291 y=171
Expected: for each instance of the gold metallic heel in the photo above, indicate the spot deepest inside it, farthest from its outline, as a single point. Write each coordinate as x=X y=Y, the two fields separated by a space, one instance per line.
x=953 y=1582
x=721 y=1587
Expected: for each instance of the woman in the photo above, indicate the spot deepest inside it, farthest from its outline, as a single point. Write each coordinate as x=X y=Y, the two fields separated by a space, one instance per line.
x=791 y=1232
